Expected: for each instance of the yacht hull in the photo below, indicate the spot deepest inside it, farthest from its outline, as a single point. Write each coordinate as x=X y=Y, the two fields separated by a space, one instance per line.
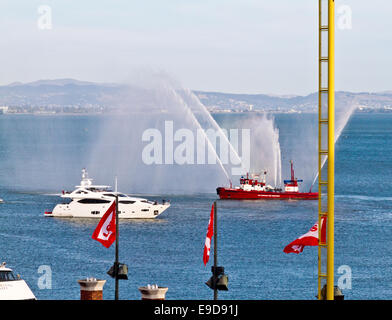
x=15 y=290
x=89 y=200
x=126 y=211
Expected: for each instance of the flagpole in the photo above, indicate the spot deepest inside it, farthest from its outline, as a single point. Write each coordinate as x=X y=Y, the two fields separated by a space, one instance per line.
x=116 y=258
x=215 y=252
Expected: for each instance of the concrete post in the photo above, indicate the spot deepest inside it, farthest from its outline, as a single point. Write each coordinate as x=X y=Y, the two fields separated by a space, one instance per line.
x=91 y=289
x=153 y=292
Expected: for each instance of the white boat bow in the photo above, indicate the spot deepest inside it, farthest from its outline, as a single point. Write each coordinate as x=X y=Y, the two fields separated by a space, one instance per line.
x=13 y=287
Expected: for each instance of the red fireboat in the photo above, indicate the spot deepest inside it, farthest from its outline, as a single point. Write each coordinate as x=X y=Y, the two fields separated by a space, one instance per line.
x=253 y=189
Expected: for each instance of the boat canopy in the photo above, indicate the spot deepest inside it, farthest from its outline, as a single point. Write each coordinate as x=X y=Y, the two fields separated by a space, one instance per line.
x=291 y=181
x=6 y=274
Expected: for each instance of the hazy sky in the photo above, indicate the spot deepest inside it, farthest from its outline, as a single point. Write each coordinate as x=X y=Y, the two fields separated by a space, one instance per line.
x=242 y=46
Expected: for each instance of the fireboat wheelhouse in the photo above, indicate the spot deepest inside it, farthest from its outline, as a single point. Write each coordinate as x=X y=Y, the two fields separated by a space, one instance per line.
x=251 y=188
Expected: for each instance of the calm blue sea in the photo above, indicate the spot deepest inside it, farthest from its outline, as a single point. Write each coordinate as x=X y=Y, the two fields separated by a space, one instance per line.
x=168 y=251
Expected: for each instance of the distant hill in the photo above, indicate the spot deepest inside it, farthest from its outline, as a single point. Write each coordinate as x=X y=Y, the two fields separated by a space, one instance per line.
x=229 y=102
x=60 y=93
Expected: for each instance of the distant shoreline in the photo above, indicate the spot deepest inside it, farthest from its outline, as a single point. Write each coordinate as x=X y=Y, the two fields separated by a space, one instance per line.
x=211 y=112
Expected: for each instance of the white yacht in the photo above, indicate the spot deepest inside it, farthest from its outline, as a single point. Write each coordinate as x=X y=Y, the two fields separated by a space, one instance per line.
x=13 y=287
x=89 y=200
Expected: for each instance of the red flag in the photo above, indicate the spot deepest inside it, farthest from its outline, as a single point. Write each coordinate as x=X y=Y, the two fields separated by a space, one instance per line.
x=308 y=239
x=210 y=233
x=105 y=232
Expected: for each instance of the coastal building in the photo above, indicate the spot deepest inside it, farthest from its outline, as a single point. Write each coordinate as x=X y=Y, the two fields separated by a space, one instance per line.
x=3 y=109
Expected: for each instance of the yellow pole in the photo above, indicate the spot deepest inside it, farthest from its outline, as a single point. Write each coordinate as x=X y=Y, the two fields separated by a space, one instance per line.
x=319 y=144
x=331 y=149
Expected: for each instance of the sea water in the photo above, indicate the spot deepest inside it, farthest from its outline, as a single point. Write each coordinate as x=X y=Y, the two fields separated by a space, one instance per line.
x=41 y=155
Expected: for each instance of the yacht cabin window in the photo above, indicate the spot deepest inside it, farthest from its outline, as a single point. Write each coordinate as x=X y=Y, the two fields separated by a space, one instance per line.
x=93 y=201
x=6 y=276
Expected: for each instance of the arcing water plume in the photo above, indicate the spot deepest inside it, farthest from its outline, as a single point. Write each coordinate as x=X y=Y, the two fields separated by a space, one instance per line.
x=201 y=112
x=299 y=140
x=159 y=142
x=265 y=150
x=265 y=153
x=162 y=139
x=203 y=132
x=343 y=113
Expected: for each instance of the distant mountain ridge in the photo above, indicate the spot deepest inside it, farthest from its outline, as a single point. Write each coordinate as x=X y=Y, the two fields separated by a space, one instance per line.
x=58 y=82
x=58 y=93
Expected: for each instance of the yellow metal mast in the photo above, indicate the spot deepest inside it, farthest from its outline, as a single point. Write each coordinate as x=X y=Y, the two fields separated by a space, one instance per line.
x=331 y=150
x=326 y=144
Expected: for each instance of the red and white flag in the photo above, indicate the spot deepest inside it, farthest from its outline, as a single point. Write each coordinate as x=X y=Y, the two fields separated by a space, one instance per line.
x=105 y=232
x=311 y=238
x=210 y=233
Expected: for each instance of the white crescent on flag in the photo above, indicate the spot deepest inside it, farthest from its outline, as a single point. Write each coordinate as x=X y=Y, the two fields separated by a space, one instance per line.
x=311 y=238
x=207 y=245
x=210 y=233
x=105 y=232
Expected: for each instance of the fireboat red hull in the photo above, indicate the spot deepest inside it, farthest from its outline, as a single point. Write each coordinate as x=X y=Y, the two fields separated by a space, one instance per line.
x=240 y=194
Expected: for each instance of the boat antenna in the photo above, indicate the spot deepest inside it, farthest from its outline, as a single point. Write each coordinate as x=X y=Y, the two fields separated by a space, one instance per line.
x=292 y=171
x=115 y=183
